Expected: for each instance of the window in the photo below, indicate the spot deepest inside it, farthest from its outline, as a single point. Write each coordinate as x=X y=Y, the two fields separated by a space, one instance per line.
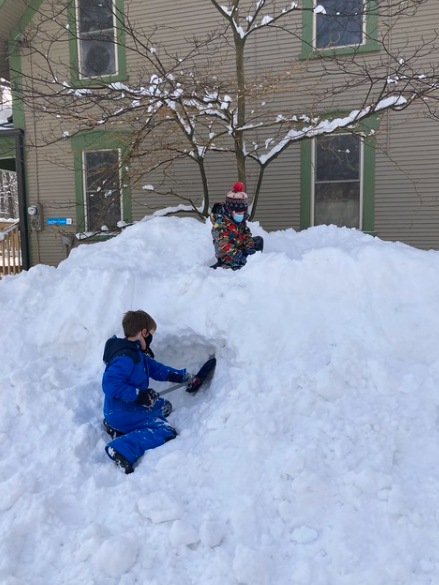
x=340 y=24
x=96 y=28
x=337 y=181
x=339 y=27
x=102 y=189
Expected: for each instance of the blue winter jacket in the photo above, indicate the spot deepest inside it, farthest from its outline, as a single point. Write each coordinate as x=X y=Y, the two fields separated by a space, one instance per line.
x=128 y=370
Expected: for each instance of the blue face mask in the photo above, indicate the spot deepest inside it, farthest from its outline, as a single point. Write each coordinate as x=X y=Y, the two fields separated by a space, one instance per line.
x=238 y=217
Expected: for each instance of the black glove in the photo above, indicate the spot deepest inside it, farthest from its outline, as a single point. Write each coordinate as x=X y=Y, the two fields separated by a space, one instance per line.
x=194 y=384
x=174 y=377
x=239 y=260
x=249 y=251
x=147 y=397
x=258 y=243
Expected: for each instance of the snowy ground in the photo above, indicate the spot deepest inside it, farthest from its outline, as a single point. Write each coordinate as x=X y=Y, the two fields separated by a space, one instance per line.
x=311 y=459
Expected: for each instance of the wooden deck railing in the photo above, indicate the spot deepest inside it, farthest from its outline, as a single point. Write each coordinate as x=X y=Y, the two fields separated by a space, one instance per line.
x=10 y=250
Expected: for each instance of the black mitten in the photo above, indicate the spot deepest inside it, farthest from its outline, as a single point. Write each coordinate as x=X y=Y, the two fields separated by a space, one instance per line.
x=249 y=251
x=147 y=397
x=174 y=377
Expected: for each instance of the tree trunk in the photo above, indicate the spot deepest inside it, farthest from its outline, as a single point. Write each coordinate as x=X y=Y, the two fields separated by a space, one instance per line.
x=239 y=134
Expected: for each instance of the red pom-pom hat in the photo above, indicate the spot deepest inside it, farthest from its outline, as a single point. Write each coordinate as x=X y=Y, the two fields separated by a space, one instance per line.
x=236 y=199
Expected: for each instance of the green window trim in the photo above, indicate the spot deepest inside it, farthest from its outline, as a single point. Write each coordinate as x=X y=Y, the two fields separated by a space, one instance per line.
x=309 y=51
x=76 y=80
x=94 y=141
x=15 y=70
x=368 y=178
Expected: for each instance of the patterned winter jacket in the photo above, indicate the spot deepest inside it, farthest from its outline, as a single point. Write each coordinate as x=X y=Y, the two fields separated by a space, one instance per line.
x=229 y=237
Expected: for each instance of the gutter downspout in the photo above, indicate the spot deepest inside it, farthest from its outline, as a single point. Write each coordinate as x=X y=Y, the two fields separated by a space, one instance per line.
x=21 y=185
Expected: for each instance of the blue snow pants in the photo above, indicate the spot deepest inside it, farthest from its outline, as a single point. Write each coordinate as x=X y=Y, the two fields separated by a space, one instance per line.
x=145 y=430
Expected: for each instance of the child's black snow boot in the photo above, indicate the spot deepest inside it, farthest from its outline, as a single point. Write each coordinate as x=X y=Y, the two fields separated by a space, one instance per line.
x=120 y=460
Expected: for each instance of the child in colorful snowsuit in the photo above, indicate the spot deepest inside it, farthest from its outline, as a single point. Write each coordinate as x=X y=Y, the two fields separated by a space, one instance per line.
x=135 y=415
x=232 y=238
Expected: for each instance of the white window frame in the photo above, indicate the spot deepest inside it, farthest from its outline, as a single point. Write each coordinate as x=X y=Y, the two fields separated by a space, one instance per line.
x=313 y=178
x=85 y=189
x=79 y=40
x=335 y=47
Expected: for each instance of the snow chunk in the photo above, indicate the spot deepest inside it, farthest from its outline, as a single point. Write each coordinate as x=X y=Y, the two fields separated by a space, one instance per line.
x=304 y=535
x=183 y=532
x=160 y=507
x=116 y=556
x=148 y=187
x=211 y=533
x=266 y=20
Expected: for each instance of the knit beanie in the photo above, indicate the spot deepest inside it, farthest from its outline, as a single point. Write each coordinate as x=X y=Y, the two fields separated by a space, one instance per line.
x=236 y=199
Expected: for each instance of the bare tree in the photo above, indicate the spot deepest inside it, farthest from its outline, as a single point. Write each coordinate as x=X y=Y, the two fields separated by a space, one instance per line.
x=8 y=195
x=8 y=180
x=207 y=100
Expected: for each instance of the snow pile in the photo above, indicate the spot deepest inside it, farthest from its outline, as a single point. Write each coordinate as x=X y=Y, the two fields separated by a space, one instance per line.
x=312 y=457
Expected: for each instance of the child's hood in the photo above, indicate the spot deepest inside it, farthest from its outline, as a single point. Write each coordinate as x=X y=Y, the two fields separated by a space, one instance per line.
x=219 y=214
x=116 y=346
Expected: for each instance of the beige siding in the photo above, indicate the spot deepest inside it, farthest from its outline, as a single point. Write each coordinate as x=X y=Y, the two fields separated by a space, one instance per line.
x=406 y=176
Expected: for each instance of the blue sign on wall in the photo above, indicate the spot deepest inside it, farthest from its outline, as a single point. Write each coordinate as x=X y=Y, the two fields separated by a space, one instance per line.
x=59 y=221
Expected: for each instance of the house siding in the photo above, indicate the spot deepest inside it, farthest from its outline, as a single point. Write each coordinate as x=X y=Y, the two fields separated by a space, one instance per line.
x=407 y=202
x=406 y=176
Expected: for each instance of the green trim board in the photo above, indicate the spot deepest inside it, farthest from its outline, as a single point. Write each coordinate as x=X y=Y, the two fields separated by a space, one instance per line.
x=369 y=127
x=75 y=79
x=309 y=51
x=100 y=140
x=15 y=63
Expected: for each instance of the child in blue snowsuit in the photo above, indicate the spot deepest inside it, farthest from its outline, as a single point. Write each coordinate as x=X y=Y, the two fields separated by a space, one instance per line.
x=135 y=415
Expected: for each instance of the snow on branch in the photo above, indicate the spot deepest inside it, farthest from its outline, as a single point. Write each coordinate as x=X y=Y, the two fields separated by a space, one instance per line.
x=329 y=126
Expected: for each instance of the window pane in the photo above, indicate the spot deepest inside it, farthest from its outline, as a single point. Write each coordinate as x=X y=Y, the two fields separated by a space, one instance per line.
x=96 y=31
x=341 y=25
x=337 y=158
x=95 y=15
x=337 y=204
x=98 y=56
x=102 y=176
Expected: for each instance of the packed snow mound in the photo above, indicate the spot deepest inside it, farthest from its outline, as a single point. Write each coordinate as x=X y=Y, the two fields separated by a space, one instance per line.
x=312 y=456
